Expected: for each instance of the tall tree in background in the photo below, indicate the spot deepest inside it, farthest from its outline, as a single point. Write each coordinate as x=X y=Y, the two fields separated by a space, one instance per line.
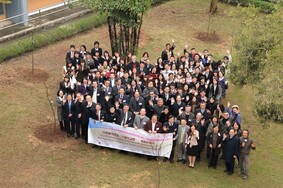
x=259 y=60
x=124 y=21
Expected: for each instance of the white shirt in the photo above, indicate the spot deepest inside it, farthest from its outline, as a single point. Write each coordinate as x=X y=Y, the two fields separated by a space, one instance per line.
x=94 y=96
x=153 y=126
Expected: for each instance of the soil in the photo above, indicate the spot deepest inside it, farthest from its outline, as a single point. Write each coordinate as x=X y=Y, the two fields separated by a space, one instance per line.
x=209 y=37
x=47 y=133
x=39 y=75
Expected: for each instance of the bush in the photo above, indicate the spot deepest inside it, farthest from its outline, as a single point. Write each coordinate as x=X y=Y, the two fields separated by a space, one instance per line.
x=267 y=6
x=44 y=38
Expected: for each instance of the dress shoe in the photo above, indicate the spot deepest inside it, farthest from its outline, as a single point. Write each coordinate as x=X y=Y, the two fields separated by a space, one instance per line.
x=179 y=160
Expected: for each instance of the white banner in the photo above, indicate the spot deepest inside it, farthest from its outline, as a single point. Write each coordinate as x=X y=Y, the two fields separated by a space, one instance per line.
x=129 y=139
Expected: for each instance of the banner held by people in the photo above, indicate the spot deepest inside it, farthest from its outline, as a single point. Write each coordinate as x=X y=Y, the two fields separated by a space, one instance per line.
x=129 y=139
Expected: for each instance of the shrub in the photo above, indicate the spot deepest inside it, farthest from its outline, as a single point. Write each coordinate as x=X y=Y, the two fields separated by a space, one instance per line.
x=267 y=6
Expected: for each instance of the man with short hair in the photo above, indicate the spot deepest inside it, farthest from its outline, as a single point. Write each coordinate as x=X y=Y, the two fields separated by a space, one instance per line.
x=246 y=144
x=171 y=127
x=181 y=137
x=140 y=119
x=125 y=118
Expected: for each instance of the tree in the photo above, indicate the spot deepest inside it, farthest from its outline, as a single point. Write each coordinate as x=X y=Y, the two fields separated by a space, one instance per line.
x=124 y=21
x=259 y=59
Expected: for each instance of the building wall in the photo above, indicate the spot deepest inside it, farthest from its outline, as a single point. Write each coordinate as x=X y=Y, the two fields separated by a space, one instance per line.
x=38 y=4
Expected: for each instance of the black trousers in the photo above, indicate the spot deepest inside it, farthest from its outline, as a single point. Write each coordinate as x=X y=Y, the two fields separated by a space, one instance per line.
x=85 y=130
x=230 y=166
x=62 y=126
x=171 y=158
x=78 y=127
x=213 y=157
x=70 y=126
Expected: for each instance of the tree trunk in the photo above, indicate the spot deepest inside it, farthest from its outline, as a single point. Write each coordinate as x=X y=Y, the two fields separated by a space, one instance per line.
x=110 y=34
x=213 y=6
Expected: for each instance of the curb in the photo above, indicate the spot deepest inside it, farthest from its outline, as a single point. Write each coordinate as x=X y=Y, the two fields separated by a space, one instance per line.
x=45 y=25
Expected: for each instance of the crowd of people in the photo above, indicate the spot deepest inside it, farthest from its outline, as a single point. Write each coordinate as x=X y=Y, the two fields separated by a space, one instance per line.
x=179 y=94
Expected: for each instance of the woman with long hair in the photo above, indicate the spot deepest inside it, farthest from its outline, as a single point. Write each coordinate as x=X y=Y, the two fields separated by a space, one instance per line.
x=191 y=145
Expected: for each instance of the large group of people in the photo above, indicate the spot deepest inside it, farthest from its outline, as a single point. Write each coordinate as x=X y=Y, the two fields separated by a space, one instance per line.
x=180 y=94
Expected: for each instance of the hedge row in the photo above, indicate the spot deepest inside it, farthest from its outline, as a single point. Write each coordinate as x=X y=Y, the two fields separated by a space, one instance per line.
x=44 y=38
x=267 y=6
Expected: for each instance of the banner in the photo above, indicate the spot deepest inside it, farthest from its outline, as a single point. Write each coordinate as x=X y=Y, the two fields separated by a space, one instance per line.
x=129 y=139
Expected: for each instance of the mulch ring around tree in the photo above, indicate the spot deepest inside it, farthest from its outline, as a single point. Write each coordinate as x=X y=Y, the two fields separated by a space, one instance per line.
x=209 y=37
x=38 y=75
x=47 y=133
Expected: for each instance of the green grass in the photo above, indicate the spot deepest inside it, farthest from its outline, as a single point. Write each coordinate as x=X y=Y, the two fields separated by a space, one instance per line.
x=27 y=161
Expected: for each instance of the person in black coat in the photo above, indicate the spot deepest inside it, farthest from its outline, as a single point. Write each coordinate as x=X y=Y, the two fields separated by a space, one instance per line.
x=214 y=140
x=99 y=114
x=112 y=115
x=164 y=117
x=69 y=112
x=171 y=127
x=177 y=106
x=89 y=112
x=200 y=124
x=125 y=116
x=79 y=102
x=231 y=150
x=96 y=49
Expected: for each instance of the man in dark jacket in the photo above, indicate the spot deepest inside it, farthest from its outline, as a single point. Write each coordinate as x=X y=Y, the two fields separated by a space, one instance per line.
x=214 y=140
x=171 y=127
x=69 y=111
x=231 y=150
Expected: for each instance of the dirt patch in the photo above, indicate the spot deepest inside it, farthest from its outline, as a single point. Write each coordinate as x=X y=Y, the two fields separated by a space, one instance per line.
x=47 y=133
x=38 y=75
x=209 y=37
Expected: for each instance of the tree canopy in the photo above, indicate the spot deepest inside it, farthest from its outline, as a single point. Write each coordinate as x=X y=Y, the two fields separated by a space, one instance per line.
x=124 y=21
x=259 y=59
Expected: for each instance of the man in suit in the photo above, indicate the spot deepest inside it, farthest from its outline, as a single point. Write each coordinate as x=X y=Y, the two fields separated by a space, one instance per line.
x=95 y=92
x=69 y=111
x=136 y=103
x=153 y=126
x=231 y=150
x=149 y=89
x=96 y=49
x=177 y=106
x=125 y=79
x=168 y=51
x=125 y=117
x=157 y=108
x=89 y=112
x=200 y=124
x=116 y=88
x=187 y=114
x=214 y=140
x=166 y=96
x=171 y=127
x=141 y=119
x=181 y=137
x=71 y=54
x=79 y=110
x=204 y=112
x=99 y=114
x=121 y=98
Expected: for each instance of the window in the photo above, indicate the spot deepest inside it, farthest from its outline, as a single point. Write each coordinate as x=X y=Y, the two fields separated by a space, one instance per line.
x=1 y=8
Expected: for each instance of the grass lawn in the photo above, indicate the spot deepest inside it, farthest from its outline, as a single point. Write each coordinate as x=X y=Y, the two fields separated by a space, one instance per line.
x=32 y=155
